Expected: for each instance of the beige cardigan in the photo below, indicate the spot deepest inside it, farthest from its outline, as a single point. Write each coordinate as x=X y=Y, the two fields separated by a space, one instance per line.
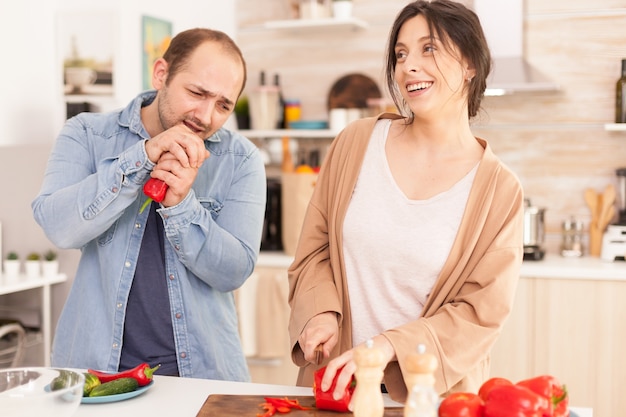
x=471 y=298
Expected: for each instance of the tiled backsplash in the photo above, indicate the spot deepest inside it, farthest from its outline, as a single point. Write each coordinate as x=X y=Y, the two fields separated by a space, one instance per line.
x=554 y=142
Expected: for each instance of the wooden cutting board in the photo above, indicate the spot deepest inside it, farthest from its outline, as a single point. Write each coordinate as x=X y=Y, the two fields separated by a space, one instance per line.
x=248 y=405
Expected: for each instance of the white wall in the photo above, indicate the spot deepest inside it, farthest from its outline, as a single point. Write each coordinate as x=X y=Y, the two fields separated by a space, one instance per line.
x=32 y=107
x=31 y=97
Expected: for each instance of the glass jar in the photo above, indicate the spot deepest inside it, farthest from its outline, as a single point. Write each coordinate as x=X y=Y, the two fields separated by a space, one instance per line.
x=572 y=243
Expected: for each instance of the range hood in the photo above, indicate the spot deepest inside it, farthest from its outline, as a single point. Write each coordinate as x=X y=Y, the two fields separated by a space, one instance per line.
x=502 y=22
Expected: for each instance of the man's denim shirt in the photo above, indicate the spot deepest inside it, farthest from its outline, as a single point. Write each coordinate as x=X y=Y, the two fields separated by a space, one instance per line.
x=90 y=200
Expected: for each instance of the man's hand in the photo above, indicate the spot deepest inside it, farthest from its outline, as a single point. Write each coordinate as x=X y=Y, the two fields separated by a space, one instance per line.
x=180 y=142
x=178 y=178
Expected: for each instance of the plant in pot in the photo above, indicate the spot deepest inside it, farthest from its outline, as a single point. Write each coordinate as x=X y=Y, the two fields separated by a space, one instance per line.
x=342 y=9
x=78 y=71
x=50 y=264
x=33 y=265
x=11 y=267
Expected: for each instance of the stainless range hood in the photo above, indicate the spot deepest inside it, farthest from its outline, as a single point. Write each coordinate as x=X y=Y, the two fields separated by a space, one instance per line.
x=502 y=21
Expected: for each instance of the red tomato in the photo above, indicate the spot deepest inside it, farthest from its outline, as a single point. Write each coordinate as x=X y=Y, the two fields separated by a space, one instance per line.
x=461 y=404
x=489 y=384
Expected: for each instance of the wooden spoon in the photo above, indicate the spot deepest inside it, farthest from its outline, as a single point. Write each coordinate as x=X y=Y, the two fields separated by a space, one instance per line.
x=591 y=197
x=608 y=199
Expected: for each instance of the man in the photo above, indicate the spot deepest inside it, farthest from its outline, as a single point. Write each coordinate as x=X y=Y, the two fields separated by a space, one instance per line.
x=156 y=285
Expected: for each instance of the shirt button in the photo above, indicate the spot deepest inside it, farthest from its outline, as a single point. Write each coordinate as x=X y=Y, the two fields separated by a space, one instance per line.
x=172 y=278
x=127 y=264
x=119 y=305
x=183 y=355
x=114 y=189
x=114 y=345
x=177 y=247
x=137 y=164
x=178 y=315
x=137 y=226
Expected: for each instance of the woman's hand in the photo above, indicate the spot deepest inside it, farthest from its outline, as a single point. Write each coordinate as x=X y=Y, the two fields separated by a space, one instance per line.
x=322 y=329
x=346 y=360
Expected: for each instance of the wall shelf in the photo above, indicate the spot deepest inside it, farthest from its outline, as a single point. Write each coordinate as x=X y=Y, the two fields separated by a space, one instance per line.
x=292 y=133
x=306 y=24
x=615 y=127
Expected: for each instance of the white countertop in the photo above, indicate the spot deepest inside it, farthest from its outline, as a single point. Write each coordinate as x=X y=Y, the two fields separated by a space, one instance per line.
x=184 y=397
x=552 y=266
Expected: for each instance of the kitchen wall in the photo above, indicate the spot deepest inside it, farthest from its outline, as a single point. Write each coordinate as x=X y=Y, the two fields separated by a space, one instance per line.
x=555 y=142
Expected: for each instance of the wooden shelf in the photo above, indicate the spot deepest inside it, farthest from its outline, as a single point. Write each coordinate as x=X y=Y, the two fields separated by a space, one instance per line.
x=615 y=127
x=306 y=24
x=293 y=133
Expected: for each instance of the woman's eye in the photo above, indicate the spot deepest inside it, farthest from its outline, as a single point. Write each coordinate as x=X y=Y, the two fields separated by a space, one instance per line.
x=400 y=55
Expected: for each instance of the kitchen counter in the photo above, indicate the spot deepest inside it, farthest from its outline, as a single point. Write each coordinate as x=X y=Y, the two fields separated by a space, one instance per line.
x=552 y=266
x=184 y=397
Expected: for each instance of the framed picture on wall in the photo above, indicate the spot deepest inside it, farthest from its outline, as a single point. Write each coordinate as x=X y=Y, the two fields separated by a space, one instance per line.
x=86 y=43
x=156 y=37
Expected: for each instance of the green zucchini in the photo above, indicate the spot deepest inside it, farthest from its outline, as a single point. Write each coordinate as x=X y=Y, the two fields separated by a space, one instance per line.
x=117 y=386
x=91 y=381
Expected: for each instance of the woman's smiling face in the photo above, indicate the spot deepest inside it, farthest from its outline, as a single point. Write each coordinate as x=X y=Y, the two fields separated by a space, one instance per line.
x=430 y=76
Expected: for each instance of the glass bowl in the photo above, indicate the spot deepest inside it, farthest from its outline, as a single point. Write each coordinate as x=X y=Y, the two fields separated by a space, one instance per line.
x=39 y=391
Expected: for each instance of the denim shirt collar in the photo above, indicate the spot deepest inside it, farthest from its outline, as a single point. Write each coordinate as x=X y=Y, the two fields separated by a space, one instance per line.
x=130 y=117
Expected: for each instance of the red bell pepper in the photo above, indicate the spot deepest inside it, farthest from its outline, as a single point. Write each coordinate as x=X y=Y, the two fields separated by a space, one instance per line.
x=515 y=401
x=549 y=387
x=324 y=399
x=285 y=403
x=142 y=373
x=155 y=189
x=270 y=410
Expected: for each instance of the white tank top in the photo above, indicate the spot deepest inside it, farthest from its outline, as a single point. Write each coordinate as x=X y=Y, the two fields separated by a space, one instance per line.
x=394 y=247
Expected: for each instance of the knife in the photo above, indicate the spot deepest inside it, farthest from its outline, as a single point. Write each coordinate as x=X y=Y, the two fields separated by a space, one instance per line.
x=319 y=354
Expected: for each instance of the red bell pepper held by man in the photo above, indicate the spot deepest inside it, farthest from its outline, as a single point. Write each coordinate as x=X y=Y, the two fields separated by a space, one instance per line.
x=549 y=387
x=142 y=373
x=515 y=401
x=155 y=189
x=324 y=399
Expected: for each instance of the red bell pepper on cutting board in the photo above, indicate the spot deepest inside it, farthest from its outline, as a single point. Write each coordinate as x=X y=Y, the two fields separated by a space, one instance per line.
x=324 y=399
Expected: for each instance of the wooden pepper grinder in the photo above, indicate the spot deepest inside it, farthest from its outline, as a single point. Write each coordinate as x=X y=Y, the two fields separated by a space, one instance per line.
x=368 y=398
x=422 y=400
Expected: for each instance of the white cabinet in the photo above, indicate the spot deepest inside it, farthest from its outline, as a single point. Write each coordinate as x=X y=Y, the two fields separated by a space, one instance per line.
x=573 y=329
x=43 y=286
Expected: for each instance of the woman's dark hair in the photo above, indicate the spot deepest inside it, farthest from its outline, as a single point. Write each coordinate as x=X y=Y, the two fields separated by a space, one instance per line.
x=184 y=43
x=454 y=24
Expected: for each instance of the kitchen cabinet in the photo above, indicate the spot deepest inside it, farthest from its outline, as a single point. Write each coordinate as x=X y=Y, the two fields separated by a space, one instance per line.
x=571 y=328
x=43 y=285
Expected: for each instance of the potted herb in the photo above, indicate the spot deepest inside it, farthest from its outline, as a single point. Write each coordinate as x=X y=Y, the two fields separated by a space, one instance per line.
x=50 y=264
x=78 y=71
x=33 y=265
x=11 y=267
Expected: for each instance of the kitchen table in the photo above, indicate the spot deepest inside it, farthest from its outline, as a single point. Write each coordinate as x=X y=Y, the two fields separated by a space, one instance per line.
x=184 y=397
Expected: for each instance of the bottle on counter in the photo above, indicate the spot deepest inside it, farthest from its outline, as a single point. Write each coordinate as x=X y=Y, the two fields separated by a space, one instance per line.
x=620 y=96
x=280 y=123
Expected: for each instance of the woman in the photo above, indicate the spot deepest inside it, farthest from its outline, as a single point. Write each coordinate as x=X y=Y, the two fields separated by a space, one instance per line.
x=414 y=231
